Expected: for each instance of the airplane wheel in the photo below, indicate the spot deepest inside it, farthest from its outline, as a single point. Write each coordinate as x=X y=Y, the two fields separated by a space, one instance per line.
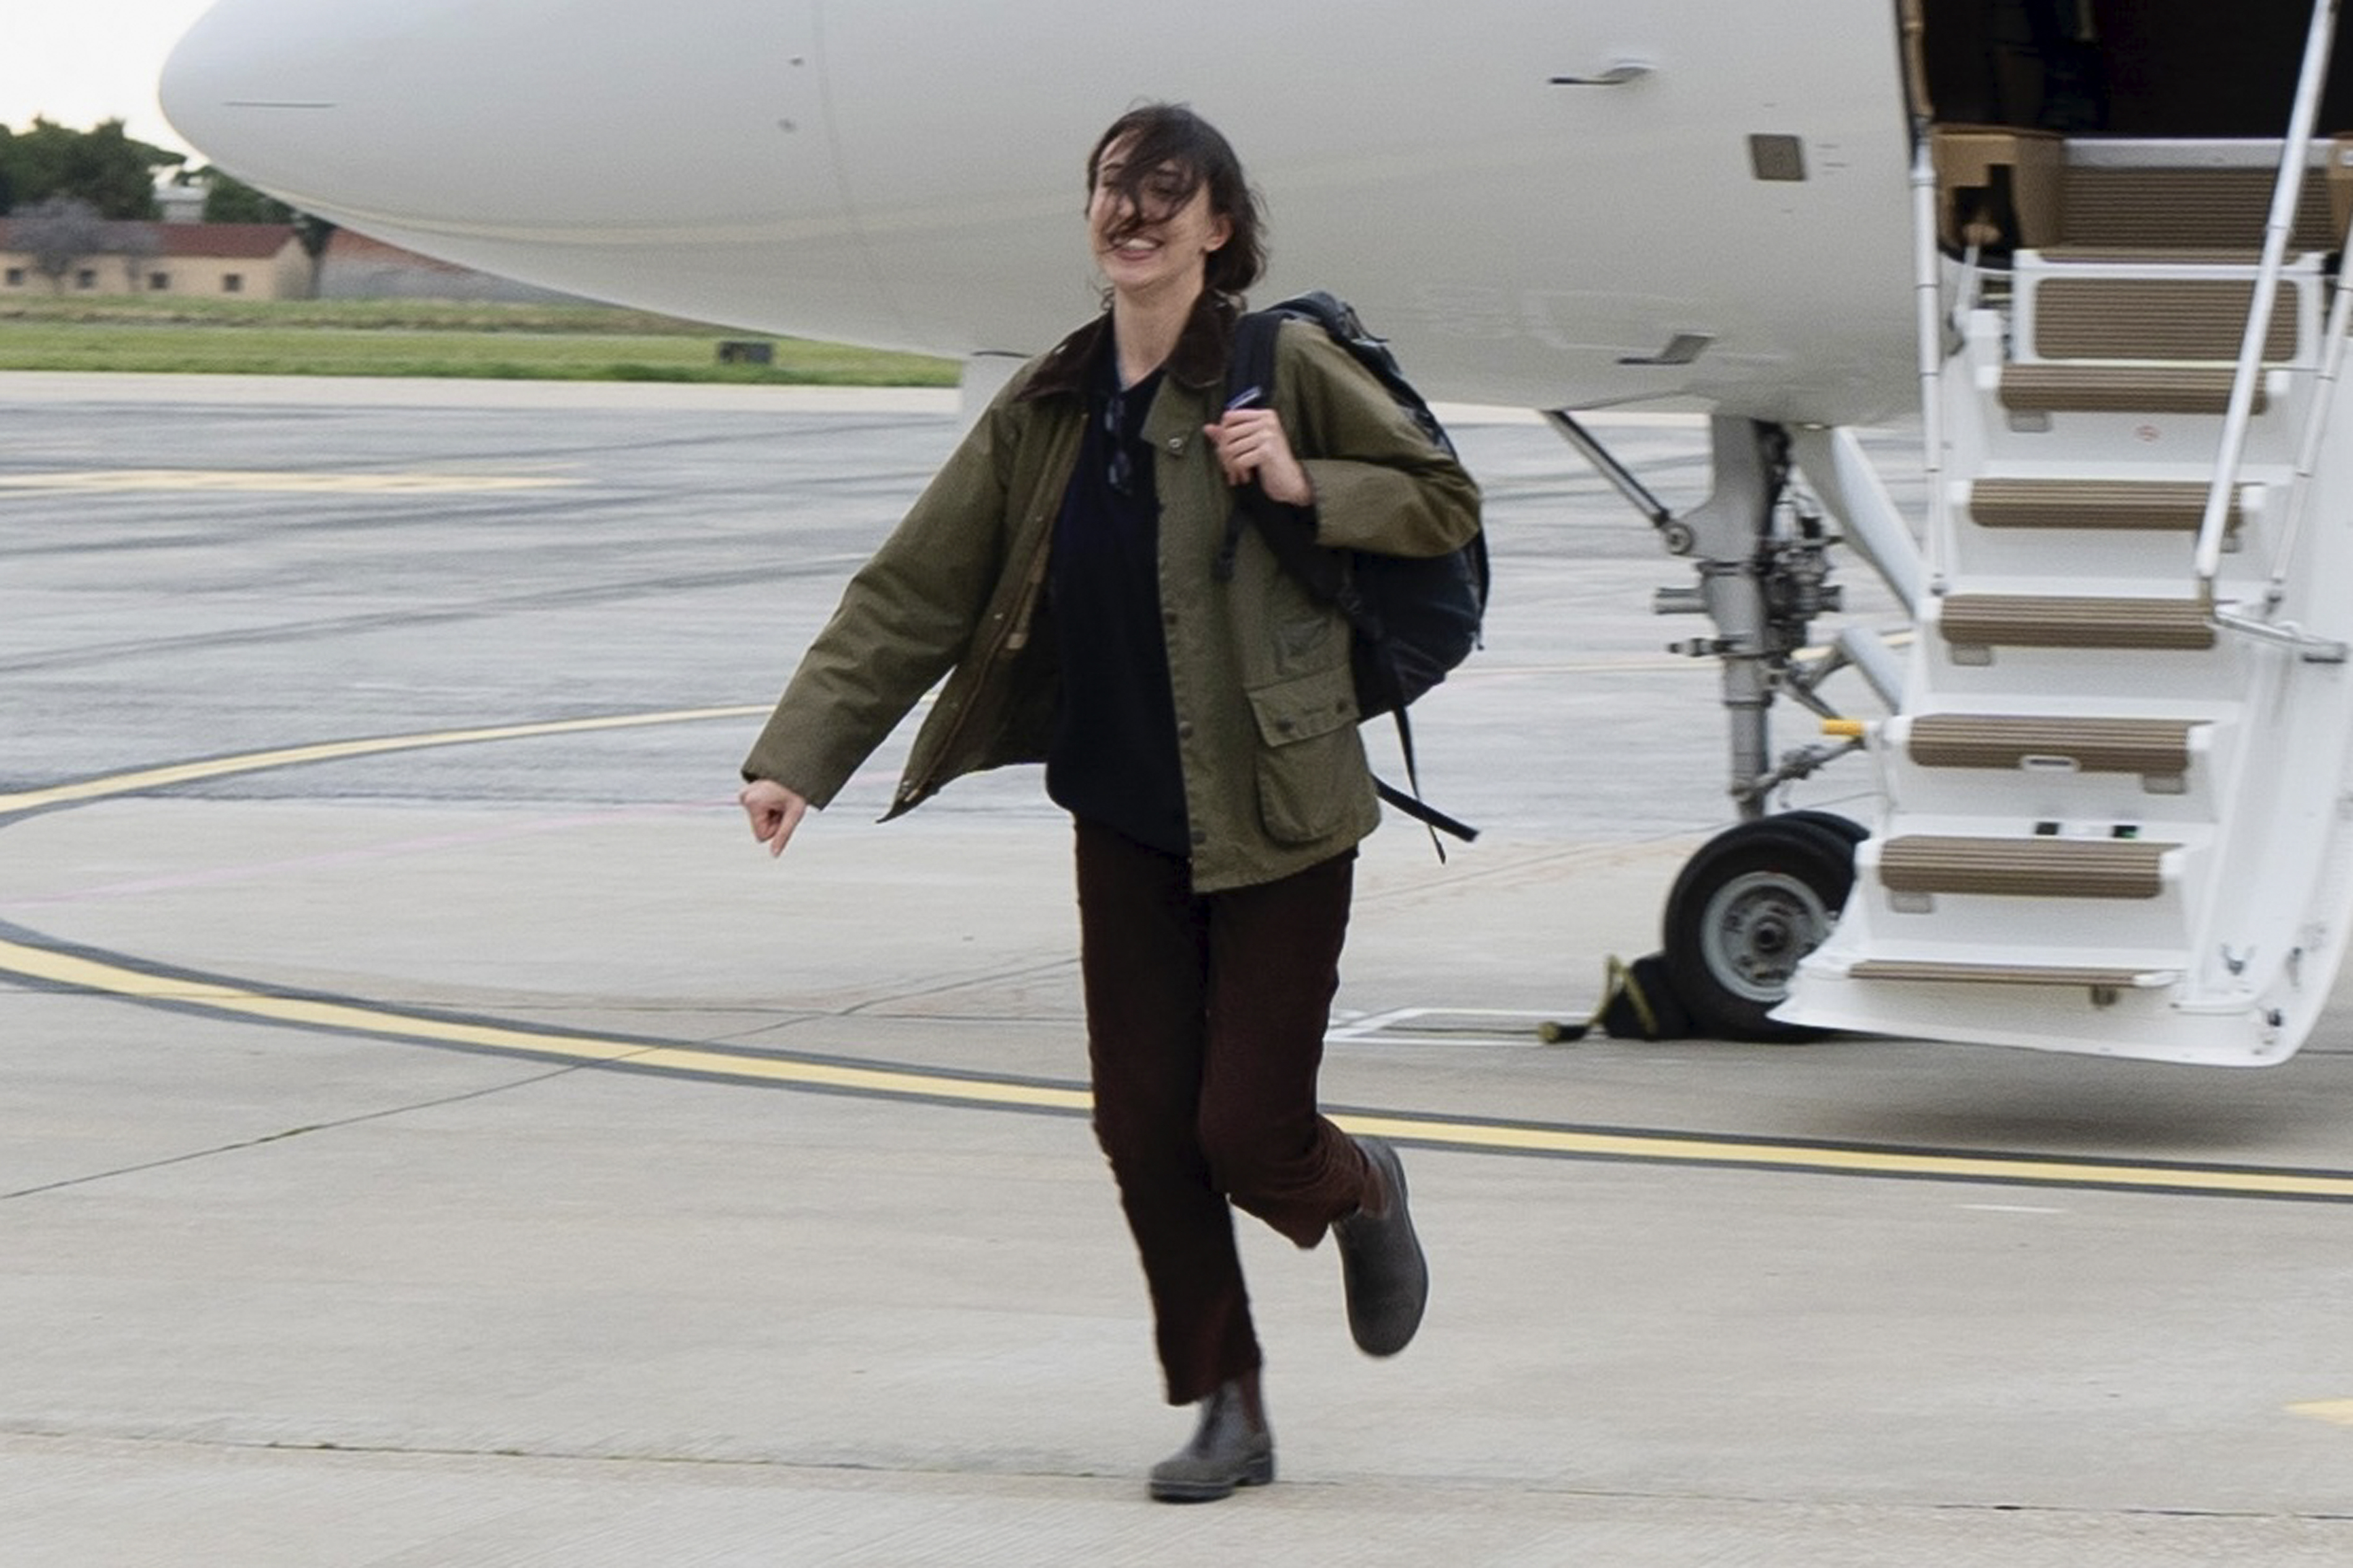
x=1754 y=900
x=1846 y=828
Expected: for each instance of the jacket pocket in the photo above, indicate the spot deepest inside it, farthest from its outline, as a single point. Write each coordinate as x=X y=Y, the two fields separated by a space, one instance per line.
x=1311 y=765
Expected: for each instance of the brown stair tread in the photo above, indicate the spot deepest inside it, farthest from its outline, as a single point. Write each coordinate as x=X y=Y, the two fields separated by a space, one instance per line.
x=2059 y=620
x=2191 y=209
x=2154 y=319
x=2249 y=256
x=2121 y=389
x=2045 y=867
x=2173 y=504
x=2158 y=746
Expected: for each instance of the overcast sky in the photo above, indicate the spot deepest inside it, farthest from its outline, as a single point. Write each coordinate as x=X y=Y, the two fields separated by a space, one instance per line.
x=81 y=61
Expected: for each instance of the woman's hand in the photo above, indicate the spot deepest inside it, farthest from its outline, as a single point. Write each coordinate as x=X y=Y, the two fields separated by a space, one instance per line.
x=1251 y=441
x=774 y=812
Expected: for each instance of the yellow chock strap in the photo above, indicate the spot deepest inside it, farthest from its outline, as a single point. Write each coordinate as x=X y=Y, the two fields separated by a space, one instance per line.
x=1615 y=978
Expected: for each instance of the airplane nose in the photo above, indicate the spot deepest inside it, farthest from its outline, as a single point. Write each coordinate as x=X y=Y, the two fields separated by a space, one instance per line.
x=606 y=148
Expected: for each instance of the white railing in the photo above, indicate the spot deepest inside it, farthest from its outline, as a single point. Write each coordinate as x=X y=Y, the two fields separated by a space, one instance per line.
x=2315 y=427
x=1928 y=286
x=2286 y=192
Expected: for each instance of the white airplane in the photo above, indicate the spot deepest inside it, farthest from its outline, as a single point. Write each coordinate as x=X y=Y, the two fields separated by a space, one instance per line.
x=2075 y=237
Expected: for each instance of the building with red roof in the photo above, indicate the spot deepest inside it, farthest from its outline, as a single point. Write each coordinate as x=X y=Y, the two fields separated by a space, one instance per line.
x=197 y=260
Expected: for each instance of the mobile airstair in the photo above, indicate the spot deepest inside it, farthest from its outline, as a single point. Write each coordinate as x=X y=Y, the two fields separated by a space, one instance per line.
x=2119 y=798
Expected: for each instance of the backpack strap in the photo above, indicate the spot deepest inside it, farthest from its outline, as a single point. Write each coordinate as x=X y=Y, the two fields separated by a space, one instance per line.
x=1250 y=377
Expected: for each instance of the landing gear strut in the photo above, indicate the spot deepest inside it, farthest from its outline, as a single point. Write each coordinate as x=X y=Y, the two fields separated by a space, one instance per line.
x=1757 y=897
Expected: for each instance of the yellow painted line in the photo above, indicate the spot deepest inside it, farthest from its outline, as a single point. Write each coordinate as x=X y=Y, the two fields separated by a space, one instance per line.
x=46 y=965
x=1670 y=1148
x=332 y=751
x=2338 y=1411
x=263 y=481
x=118 y=980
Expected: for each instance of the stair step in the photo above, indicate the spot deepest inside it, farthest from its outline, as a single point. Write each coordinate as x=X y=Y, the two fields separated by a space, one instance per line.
x=2146 y=319
x=2121 y=389
x=2146 y=746
x=2095 y=977
x=2057 y=620
x=2178 y=505
x=2030 y=867
x=2245 y=259
x=2201 y=208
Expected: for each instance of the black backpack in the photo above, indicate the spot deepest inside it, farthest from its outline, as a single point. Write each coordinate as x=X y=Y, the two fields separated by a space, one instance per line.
x=1415 y=617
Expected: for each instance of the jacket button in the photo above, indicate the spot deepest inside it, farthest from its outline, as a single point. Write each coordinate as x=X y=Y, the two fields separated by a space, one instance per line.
x=1177 y=445
x=1200 y=836
x=1285 y=726
x=1185 y=731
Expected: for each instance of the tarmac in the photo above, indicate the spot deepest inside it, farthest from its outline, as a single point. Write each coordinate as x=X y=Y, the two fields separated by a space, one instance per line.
x=432 y=1133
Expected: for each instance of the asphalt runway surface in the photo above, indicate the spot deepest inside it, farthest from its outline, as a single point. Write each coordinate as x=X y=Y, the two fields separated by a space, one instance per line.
x=431 y=1132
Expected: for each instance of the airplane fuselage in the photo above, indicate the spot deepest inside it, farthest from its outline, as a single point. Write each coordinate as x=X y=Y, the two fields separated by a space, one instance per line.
x=1525 y=196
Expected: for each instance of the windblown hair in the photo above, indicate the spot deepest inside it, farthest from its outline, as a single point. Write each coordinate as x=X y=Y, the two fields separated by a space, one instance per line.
x=1173 y=152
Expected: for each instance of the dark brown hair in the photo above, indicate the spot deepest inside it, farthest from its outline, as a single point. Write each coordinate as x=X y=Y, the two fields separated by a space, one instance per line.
x=1175 y=153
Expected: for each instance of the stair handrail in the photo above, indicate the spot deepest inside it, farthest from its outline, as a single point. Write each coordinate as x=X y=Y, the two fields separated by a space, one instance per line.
x=1927 y=294
x=2316 y=424
x=2288 y=190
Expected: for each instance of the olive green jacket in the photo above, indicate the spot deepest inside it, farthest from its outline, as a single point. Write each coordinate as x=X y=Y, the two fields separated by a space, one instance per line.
x=1275 y=777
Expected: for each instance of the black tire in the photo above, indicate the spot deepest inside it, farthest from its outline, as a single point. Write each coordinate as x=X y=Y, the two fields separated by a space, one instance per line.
x=1754 y=900
x=1846 y=828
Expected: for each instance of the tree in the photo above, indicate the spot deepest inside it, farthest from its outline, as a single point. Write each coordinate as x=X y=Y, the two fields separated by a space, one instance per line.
x=316 y=234
x=103 y=166
x=228 y=199
x=59 y=233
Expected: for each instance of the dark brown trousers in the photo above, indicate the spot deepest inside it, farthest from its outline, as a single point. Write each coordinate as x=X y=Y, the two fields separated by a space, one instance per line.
x=1204 y=1028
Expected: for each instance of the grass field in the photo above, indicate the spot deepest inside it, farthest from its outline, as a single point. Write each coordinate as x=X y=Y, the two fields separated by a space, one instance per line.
x=427 y=338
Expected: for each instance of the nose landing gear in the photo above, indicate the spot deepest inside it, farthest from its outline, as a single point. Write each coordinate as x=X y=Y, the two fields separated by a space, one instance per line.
x=1748 y=906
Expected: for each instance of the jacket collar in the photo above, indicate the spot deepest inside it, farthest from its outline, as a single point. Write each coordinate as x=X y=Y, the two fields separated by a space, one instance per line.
x=1198 y=360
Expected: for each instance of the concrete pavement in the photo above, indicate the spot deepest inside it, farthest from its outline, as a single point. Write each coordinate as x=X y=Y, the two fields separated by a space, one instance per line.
x=472 y=1151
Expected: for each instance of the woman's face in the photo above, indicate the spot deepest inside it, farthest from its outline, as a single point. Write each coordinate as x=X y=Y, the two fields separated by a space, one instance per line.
x=1165 y=247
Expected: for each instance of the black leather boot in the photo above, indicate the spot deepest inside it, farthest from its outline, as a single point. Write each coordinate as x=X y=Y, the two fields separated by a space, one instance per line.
x=1230 y=1448
x=1381 y=1264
